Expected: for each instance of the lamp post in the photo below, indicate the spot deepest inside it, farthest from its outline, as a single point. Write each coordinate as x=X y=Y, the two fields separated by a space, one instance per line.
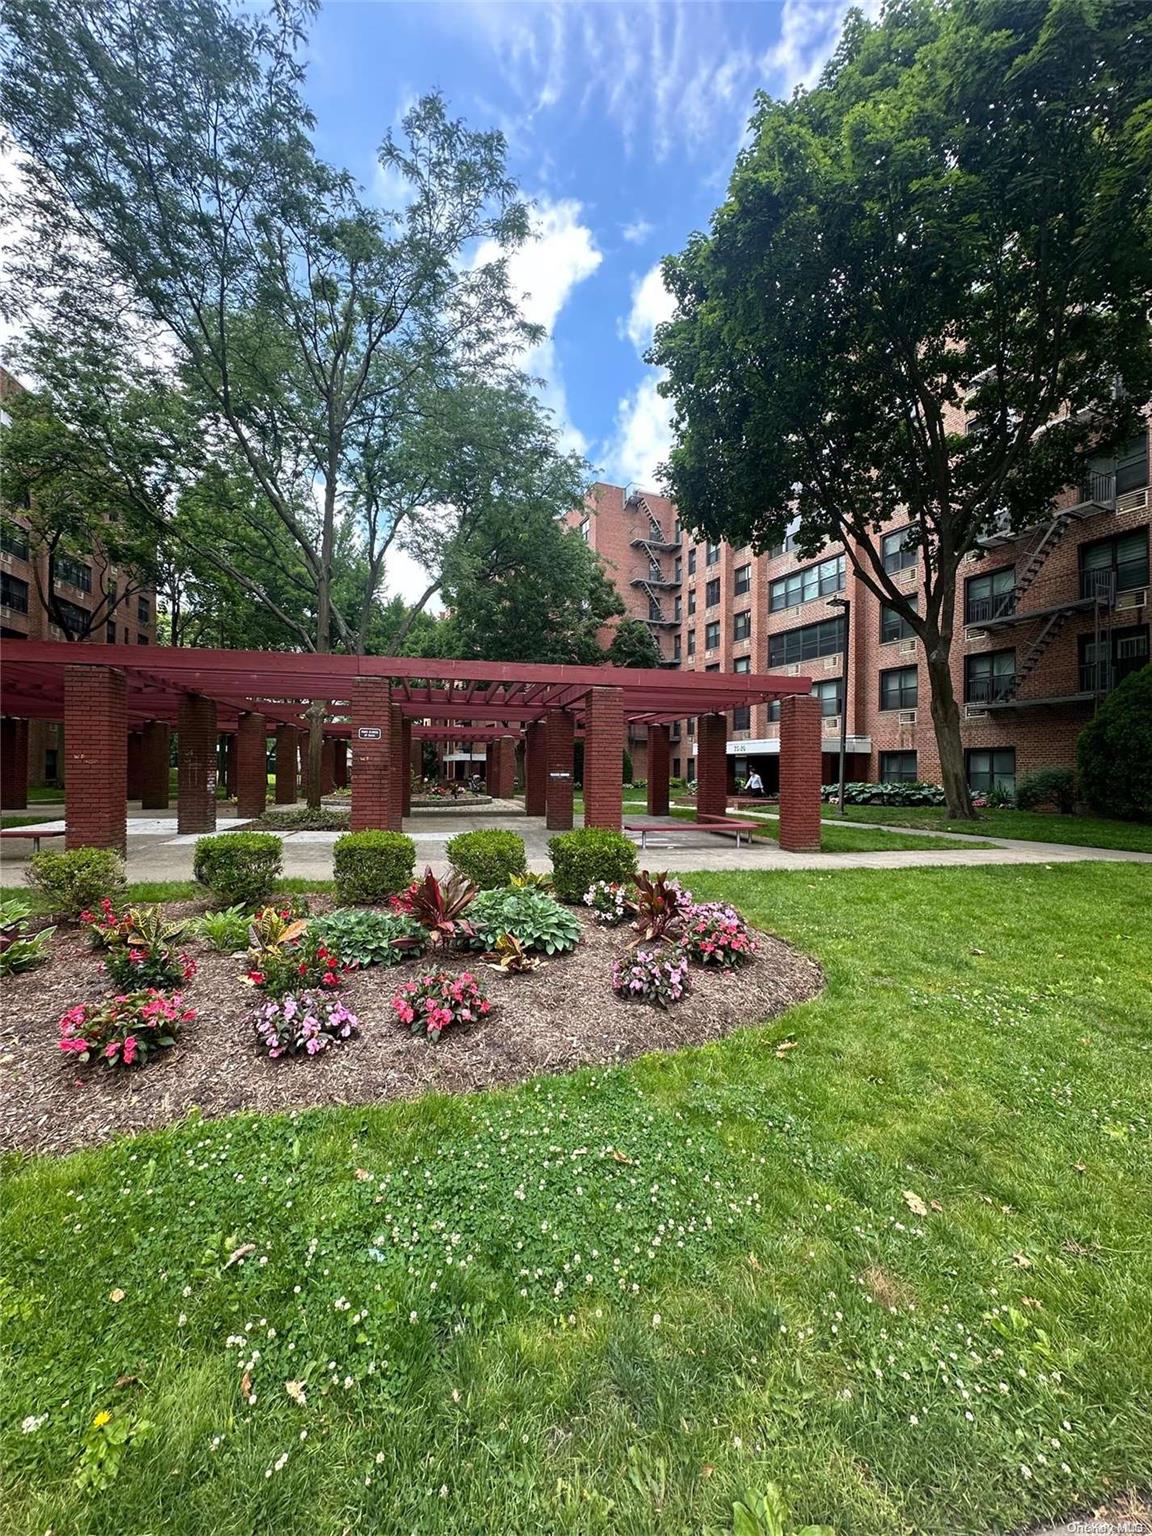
x=846 y=604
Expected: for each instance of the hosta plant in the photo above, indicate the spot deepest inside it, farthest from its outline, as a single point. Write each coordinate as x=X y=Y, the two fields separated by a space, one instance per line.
x=659 y=905
x=655 y=976
x=434 y=1002
x=19 y=949
x=511 y=957
x=537 y=920
x=716 y=934
x=365 y=936
x=439 y=907
x=303 y=1022
x=609 y=901
x=124 y=1031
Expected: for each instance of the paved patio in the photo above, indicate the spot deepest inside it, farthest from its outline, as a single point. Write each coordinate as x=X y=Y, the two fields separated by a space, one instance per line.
x=157 y=852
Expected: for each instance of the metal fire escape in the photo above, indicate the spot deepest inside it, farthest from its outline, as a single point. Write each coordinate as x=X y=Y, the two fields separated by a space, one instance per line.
x=652 y=578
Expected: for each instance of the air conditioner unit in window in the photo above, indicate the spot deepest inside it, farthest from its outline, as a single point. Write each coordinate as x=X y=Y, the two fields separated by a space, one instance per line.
x=832 y=724
x=907 y=577
x=793 y=670
x=907 y=647
x=833 y=664
x=975 y=634
x=1133 y=501
x=906 y=717
x=971 y=712
x=1132 y=599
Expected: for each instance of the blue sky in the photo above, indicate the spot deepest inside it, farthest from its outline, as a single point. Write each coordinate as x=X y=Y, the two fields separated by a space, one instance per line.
x=622 y=122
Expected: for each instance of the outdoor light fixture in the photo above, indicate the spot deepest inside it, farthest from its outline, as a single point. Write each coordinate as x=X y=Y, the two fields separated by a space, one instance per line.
x=846 y=604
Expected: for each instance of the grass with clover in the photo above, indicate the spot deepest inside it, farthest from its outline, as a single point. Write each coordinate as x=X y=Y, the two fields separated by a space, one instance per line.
x=890 y=1253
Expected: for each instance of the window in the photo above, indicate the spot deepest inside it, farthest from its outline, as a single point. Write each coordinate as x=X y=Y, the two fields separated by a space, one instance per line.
x=713 y=666
x=823 y=639
x=743 y=580
x=676 y=647
x=692 y=561
x=896 y=557
x=13 y=539
x=991 y=769
x=51 y=764
x=143 y=611
x=989 y=677
x=13 y=592
x=677 y=608
x=899 y=688
x=898 y=768
x=1114 y=565
x=802 y=586
x=1120 y=653
x=829 y=695
x=691 y=642
x=742 y=718
x=742 y=664
x=110 y=631
x=675 y=767
x=712 y=593
x=679 y=569
x=774 y=710
x=789 y=544
x=71 y=616
x=655 y=612
x=691 y=725
x=894 y=626
x=1132 y=466
x=692 y=602
x=711 y=554
x=586 y=529
x=73 y=571
x=712 y=635
x=990 y=597
x=742 y=625
x=142 y=640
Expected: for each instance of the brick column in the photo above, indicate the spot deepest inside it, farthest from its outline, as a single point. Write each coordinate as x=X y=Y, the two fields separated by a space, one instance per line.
x=250 y=753
x=96 y=758
x=604 y=758
x=196 y=765
x=500 y=773
x=155 y=752
x=560 y=733
x=135 y=775
x=373 y=802
x=405 y=765
x=14 y=764
x=711 y=765
x=535 y=769
x=287 y=754
x=328 y=766
x=340 y=762
x=658 y=762
x=800 y=742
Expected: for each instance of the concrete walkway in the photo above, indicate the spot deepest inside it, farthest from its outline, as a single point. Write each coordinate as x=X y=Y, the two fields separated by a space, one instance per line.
x=157 y=852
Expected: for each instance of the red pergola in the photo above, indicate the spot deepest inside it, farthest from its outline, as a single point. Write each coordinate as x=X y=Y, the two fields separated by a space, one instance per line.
x=102 y=693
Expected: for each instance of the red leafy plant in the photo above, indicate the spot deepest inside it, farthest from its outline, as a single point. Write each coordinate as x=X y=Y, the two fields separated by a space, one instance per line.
x=433 y=1002
x=124 y=1031
x=439 y=906
x=659 y=906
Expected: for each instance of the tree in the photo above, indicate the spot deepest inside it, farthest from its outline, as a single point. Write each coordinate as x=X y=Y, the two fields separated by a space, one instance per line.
x=633 y=645
x=169 y=163
x=1115 y=749
x=953 y=224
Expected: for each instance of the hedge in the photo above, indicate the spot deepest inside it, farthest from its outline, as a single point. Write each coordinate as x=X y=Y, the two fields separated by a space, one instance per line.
x=582 y=857
x=239 y=868
x=371 y=866
x=488 y=857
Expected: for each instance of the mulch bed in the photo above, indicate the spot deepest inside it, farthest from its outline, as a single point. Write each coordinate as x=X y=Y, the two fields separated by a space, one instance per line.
x=562 y=1016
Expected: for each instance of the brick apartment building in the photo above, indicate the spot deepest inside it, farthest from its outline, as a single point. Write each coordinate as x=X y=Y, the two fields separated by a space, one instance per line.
x=81 y=580
x=1048 y=622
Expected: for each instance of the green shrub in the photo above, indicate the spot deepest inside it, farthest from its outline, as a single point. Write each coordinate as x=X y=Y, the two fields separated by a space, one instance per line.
x=896 y=793
x=239 y=867
x=226 y=930
x=581 y=858
x=363 y=936
x=1115 y=750
x=371 y=866
x=1049 y=786
x=532 y=917
x=73 y=882
x=488 y=858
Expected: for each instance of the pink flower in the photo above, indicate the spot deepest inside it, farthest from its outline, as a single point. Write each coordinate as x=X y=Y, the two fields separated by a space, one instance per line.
x=129 y=1050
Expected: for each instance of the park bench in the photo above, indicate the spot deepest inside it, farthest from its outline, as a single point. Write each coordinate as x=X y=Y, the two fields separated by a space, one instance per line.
x=707 y=824
x=32 y=833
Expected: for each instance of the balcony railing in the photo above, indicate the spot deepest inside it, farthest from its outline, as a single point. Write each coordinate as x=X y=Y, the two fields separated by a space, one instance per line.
x=980 y=610
x=1104 y=582
x=991 y=690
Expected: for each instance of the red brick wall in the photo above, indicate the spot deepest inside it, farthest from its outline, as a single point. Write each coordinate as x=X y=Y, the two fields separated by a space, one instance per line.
x=155 y=753
x=375 y=800
x=603 y=757
x=711 y=765
x=800 y=774
x=658 y=761
x=13 y=764
x=559 y=739
x=250 y=748
x=196 y=765
x=535 y=769
x=287 y=756
x=96 y=771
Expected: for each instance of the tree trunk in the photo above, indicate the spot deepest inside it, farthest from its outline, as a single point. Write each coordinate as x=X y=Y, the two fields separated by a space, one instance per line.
x=946 y=721
x=316 y=712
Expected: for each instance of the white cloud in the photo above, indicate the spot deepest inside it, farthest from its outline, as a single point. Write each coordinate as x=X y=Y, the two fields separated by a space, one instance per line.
x=637 y=231
x=651 y=304
x=407 y=578
x=809 y=31
x=643 y=433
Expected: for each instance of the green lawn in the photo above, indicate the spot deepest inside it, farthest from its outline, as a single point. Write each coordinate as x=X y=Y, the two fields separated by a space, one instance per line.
x=1084 y=831
x=19 y=819
x=608 y=1302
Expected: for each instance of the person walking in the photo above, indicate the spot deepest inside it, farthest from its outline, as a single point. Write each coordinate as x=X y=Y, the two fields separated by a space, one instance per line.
x=754 y=784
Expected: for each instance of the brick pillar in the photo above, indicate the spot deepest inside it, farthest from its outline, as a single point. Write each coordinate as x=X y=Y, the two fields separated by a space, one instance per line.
x=287 y=753
x=373 y=802
x=14 y=764
x=328 y=766
x=340 y=762
x=135 y=776
x=196 y=765
x=603 y=757
x=96 y=758
x=711 y=765
x=800 y=743
x=405 y=765
x=500 y=769
x=535 y=769
x=658 y=762
x=250 y=753
x=155 y=752
x=560 y=734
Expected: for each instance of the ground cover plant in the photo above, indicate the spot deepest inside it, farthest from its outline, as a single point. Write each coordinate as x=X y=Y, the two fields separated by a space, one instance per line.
x=363 y=936
x=20 y=949
x=535 y=919
x=882 y=1255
